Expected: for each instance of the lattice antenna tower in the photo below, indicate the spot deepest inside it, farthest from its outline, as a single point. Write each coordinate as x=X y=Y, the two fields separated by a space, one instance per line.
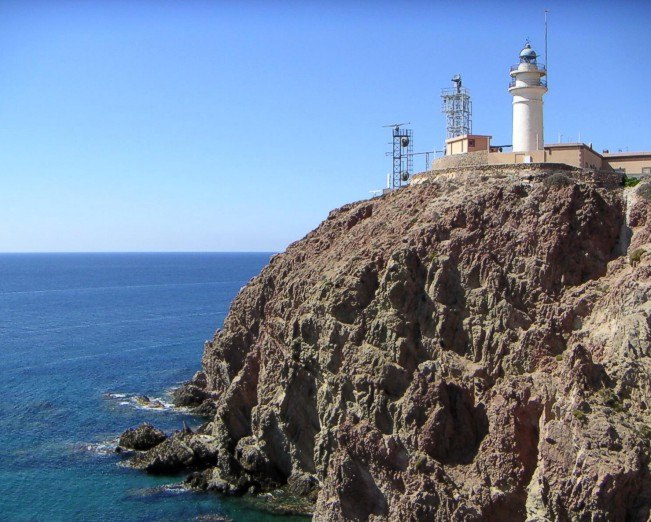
x=403 y=155
x=457 y=108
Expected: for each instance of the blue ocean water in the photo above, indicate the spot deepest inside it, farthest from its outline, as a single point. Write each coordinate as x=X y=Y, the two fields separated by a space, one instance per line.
x=80 y=336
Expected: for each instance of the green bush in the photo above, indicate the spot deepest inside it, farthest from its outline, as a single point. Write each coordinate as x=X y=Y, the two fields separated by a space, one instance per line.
x=579 y=415
x=630 y=182
x=558 y=179
x=636 y=256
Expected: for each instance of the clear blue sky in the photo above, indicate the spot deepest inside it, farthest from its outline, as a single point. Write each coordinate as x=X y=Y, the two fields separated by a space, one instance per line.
x=236 y=126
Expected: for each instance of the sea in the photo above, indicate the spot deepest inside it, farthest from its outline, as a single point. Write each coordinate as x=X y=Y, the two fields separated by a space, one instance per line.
x=82 y=336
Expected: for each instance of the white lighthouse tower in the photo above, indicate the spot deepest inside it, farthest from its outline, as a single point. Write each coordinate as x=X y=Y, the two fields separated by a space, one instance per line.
x=527 y=87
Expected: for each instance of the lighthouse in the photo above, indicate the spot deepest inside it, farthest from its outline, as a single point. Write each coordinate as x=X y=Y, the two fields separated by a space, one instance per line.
x=527 y=87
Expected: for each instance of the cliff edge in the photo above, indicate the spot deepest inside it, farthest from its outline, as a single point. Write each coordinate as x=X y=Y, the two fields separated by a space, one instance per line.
x=475 y=346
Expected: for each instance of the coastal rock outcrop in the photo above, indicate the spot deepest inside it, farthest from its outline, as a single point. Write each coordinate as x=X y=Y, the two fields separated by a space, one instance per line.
x=182 y=451
x=476 y=346
x=193 y=395
x=142 y=438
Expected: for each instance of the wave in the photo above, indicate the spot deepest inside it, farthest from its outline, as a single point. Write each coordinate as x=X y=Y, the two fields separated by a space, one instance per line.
x=164 y=490
x=142 y=402
x=103 y=449
x=212 y=518
x=110 y=395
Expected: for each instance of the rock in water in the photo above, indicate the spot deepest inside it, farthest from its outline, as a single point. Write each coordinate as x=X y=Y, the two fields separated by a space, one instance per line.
x=476 y=346
x=146 y=402
x=142 y=438
x=181 y=452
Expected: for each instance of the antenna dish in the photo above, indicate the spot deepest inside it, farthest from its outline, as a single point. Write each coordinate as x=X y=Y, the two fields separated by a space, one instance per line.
x=404 y=141
x=404 y=176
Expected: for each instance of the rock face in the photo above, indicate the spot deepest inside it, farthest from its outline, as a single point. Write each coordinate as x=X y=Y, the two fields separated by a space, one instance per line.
x=191 y=394
x=142 y=438
x=475 y=346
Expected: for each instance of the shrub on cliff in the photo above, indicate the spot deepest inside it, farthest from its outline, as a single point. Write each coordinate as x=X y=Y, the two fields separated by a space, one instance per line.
x=636 y=256
x=557 y=180
x=644 y=191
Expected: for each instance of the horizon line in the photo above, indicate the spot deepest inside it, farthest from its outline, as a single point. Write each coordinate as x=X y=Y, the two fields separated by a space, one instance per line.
x=141 y=252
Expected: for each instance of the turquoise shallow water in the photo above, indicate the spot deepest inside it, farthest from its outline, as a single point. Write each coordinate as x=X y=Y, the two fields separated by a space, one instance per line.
x=80 y=336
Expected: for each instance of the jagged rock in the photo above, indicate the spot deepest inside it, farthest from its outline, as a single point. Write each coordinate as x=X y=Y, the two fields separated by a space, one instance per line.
x=193 y=395
x=198 y=480
x=188 y=395
x=476 y=346
x=142 y=438
x=218 y=483
x=183 y=451
x=206 y=409
x=146 y=402
x=303 y=485
x=205 y=429
x=168 y=458
x=251 y=455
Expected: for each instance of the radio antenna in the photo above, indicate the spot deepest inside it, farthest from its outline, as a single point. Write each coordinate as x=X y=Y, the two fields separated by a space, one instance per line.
x=546 y=58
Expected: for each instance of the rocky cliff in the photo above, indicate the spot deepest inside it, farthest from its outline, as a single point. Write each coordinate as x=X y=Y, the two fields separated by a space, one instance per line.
x=475 y=346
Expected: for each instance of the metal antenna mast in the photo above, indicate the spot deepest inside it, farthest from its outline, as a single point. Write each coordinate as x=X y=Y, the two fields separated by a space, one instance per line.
x=457 y=108
x=403 y=154
x=546 y=59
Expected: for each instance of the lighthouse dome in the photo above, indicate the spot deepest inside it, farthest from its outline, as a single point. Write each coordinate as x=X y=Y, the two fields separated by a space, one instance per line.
x=528 y=53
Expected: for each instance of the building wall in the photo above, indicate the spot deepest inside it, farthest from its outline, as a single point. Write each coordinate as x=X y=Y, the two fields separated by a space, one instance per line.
x=483 y=157
x=577 y=155
x=476 y=143
x=515 y=158
x=468 y=143
x=573 y=154
x=592 y=160
x=630 y=164
x=461 y=160
x=568 y=155
x=455 y=147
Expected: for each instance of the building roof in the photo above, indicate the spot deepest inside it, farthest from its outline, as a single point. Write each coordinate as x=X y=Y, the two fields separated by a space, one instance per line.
x=626 y=154
x=566 y=145
x=467 y=136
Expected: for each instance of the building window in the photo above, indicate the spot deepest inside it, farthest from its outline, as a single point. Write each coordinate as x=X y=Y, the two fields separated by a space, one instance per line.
x=471 y=143
x=646 y=170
